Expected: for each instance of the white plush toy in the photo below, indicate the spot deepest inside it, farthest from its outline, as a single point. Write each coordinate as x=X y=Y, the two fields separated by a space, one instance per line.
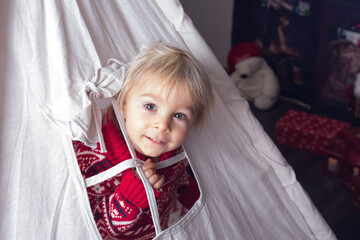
x=252 y=75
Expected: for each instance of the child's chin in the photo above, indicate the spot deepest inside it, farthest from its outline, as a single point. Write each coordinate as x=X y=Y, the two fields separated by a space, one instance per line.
x=154 y=155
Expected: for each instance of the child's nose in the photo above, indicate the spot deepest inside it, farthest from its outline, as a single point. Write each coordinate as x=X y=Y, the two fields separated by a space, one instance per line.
x=162 y=124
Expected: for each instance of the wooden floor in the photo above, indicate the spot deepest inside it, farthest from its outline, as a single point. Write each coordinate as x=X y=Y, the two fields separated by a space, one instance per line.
x=326 y=191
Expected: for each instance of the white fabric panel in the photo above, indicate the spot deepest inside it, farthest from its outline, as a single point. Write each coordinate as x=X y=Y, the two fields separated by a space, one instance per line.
x=262 y=152
x=49 y=49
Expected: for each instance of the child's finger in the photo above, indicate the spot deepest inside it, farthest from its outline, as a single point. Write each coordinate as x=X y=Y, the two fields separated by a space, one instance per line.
x=149 y=172
x=158 y=184
x=153 y=179
x=148 y=165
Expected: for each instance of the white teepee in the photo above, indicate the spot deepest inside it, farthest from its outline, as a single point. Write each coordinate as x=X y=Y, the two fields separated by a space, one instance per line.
x=49 y=49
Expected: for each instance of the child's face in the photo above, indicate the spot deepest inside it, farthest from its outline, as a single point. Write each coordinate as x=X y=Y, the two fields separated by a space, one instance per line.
x=156 y=124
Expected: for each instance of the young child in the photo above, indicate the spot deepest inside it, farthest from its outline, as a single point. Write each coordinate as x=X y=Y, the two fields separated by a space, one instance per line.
x=165 y=94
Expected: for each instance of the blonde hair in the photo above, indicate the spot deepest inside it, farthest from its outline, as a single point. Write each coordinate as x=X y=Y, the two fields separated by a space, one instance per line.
x=169 y=68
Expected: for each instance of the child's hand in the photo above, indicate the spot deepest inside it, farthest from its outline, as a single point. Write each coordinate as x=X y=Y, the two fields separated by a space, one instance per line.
x=155 y=180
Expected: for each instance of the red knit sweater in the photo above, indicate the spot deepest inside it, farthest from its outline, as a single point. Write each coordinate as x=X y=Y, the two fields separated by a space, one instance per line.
x=119 y=204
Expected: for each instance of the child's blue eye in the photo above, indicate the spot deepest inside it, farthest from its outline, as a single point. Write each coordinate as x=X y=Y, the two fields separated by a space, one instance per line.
x=150 y=106
x=180 y=115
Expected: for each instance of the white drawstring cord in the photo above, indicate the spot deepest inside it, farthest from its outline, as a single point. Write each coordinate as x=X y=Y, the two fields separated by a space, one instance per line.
x=107 y=83
x=148 y=188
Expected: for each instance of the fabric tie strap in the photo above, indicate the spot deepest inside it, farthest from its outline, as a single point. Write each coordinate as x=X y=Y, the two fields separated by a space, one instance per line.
x=106 y=83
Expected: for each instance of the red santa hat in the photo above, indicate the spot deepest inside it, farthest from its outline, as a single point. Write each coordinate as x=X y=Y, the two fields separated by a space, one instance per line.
x=242 y=51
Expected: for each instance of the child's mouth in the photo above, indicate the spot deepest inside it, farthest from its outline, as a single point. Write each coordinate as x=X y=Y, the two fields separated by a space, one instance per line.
x=155 y=140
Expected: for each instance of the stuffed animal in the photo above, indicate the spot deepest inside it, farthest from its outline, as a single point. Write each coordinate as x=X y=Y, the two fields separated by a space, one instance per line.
x=252 y=75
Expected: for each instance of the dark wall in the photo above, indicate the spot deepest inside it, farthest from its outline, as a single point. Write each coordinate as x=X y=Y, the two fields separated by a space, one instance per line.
x=296 y=37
